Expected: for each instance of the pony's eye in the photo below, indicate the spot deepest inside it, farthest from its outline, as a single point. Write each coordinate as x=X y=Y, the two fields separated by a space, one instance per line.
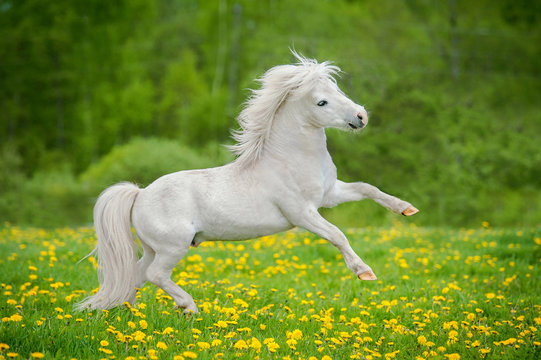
x=322 y=103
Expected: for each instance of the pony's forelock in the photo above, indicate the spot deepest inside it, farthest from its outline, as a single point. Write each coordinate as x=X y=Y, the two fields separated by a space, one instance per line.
x=277 y=84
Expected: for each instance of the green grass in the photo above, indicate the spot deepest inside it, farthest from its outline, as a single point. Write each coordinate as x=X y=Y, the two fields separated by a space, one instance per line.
x=441 y=294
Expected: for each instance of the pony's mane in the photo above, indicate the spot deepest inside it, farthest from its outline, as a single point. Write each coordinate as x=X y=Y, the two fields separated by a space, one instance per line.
x=277 y=84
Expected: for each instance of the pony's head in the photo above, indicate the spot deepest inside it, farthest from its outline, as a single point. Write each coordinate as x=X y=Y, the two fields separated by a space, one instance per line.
x=309 y=90
x=324 y=104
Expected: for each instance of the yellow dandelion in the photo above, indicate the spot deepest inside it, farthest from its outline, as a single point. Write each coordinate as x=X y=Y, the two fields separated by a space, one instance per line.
x=509 y=341
x=240 y=345
x=295 y=334
x=167 y=330
x=189 y=355
x=143 y=324
x=104 y=343
x=161 y=345
x=271 y=344
x=421 y=340
x=37 y=355
x=216 y=342
x=203 y=345
x=15 y=317
x=291 y=343
x=254 y=343
x=490 y=296
x=221 y=324
x=453 y=356
x=152 y=354
x=139 y=336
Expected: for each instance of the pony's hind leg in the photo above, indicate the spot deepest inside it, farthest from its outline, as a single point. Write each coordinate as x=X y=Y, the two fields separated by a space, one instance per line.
x=144 y=263
x=159 y=273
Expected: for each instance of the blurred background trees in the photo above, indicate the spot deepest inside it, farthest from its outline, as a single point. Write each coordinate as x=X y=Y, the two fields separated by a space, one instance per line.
x=96 y=92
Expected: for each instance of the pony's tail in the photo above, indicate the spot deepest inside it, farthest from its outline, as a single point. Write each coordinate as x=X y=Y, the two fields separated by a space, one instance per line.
x=116 y=249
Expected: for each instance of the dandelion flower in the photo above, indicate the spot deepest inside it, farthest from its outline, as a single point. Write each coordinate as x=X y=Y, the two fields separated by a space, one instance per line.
x=271 y=345
x=295 y=334
x=453 y=356
x=484 y=351
x=240 y=345
x=255 y=344
x=189 y=355
x=221 y=324
x=203 y=345
x=216 y=342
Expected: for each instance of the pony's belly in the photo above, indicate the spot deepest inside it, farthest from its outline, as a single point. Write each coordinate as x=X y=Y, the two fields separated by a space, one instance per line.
x=240 y=230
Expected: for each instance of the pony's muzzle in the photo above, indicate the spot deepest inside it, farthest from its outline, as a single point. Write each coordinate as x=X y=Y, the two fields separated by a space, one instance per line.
x=361 y=121
x=363 y=117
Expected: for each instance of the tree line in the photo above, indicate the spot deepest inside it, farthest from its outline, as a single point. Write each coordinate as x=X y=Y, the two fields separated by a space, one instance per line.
x=451 y=87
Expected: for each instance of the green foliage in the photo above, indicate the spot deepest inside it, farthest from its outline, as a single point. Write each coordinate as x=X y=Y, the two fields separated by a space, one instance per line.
x=56 y=197
x=49 y=198
x=451 y=87
x=144 y=160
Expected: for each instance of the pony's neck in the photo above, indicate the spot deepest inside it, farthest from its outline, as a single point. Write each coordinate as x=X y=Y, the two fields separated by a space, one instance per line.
x=293 y=139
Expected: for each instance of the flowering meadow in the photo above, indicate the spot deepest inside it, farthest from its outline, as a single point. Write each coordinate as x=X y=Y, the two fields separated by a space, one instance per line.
x=440 y=294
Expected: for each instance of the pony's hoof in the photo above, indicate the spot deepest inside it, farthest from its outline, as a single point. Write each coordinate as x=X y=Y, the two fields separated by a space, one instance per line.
x=410 y=211
x=190 y=312
x=367 y=275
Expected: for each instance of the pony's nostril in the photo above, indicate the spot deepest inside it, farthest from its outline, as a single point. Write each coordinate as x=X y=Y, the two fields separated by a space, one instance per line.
x=363 y=118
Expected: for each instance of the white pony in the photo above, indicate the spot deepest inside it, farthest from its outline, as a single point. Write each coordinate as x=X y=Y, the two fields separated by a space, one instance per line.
x=282 y=174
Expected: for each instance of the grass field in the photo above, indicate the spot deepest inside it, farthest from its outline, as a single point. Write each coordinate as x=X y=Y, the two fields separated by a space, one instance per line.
x=441 y=294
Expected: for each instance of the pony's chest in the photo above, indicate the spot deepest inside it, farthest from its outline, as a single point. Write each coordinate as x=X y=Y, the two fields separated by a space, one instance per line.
x=317 y=181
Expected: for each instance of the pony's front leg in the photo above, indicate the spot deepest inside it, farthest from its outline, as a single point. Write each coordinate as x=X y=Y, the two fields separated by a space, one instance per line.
x=344 y=192
x=312 y=221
